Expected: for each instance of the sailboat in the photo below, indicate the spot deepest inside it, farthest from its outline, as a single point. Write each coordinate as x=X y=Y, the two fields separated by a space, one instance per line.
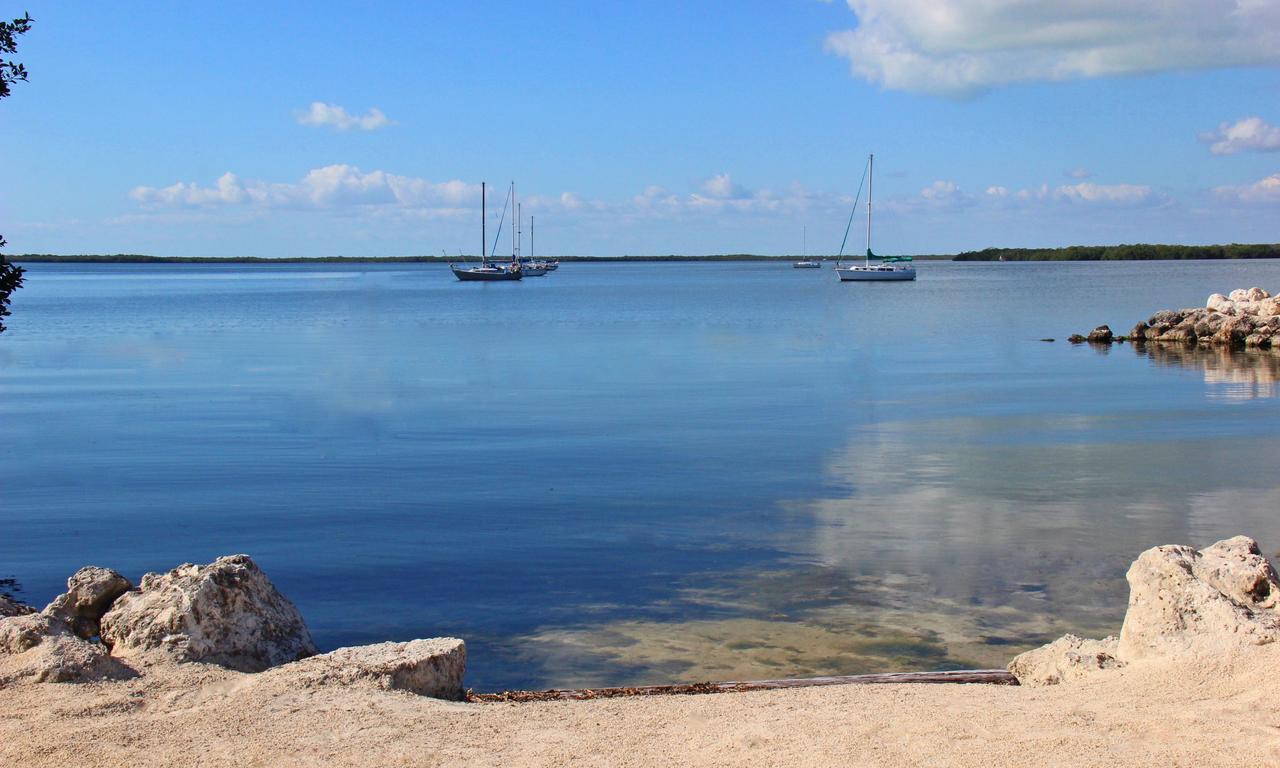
x=529 y=266
x=543 y=264
x=806 y=262
x=889 y=268
x=486 y=272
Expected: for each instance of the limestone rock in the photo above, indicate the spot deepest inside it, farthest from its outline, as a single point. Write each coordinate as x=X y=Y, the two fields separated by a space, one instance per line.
x=432 y=667
x=90 y=592
x=1219 y=303
x=227 y=613
x=22 y=633
x=1232 y=332
x=1065 y=659
x=44 y=649
x=62 y=658
x=1233 y=321
x=11 y=607
x=1181 y=334
x=1186 y=602
x=1100 y=335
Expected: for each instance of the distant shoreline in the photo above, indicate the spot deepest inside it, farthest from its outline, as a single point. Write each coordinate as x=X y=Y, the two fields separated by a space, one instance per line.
x=36 y=258
x=1136 y=252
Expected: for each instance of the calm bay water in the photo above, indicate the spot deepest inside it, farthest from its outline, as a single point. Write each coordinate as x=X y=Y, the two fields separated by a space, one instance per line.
x=635 y=472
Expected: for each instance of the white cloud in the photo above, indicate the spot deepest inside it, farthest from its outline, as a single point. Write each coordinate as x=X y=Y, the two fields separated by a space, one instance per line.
x=940 y=190
x=1079 y=173
x=1249 y=134
x=338 y=117
x=1262 y=191
x=998 y=191
x=227 y=189
x=327 y=187
x=1086 y=192
x=964 y=47
x=722 y=187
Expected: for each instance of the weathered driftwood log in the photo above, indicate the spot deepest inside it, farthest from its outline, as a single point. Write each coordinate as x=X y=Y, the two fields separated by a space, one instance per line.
x=981 y=676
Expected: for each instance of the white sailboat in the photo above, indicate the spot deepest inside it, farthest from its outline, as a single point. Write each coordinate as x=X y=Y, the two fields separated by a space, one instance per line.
x=806 y=262
x=530 y=266
x=890 y=268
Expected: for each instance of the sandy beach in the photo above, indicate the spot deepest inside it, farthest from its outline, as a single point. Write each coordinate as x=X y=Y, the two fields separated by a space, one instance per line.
x=1157 y=714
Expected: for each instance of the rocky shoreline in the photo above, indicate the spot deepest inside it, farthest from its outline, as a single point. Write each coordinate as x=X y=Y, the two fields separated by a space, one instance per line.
x=1248 y=317
x=229 y=614
x=226 y=613
x=200 y=665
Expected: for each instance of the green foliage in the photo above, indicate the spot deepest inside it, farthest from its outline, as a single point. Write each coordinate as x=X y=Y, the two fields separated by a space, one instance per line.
x=1136 y=252
x=10 y=281
x=11 y=71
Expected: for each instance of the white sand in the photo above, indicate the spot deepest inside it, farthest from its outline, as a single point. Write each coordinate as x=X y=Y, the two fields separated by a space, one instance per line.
x=1221 y=713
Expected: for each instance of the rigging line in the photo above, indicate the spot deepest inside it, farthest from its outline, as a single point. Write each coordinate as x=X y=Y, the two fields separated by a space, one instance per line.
x=503 y=218
x=848 y=226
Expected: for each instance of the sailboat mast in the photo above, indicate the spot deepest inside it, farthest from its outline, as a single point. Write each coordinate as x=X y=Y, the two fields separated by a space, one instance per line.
x=513 y=229
x=520 y=224
x=484 y=240
x=531 y=237
x=871 y=167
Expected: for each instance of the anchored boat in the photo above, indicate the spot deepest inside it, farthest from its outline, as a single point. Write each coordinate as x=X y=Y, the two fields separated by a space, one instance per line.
x=805 y=262
x=891 y=268
x=486 y=272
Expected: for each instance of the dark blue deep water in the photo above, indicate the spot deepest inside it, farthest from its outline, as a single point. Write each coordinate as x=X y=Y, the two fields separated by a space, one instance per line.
x=635 y=472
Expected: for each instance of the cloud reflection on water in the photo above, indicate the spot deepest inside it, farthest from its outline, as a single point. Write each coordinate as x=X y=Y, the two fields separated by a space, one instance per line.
x=943 y=543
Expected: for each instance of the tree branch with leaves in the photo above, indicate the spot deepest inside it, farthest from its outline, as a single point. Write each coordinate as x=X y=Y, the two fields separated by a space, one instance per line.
x=10 y=72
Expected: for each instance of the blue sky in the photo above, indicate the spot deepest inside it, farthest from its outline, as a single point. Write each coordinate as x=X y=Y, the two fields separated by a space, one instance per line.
x=292 y=130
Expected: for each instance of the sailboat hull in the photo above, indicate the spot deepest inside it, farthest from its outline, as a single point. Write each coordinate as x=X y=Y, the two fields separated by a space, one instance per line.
x=874 y=274
x=484 y=275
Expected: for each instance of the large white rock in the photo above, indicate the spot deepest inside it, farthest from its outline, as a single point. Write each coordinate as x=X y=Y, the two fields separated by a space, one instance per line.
x=1220 y=303
x=227 y=613
x=433 y=667
x=1065 y=659
x=1182 y=604
x=1186 y=602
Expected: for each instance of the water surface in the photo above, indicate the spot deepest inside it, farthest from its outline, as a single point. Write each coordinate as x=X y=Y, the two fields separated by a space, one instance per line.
x=626 y=473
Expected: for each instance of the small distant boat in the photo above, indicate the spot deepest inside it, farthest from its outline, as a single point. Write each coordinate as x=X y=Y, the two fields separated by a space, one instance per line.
x=892 y=268
x=486 y=272
x=531 y=266
x=806 y=262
